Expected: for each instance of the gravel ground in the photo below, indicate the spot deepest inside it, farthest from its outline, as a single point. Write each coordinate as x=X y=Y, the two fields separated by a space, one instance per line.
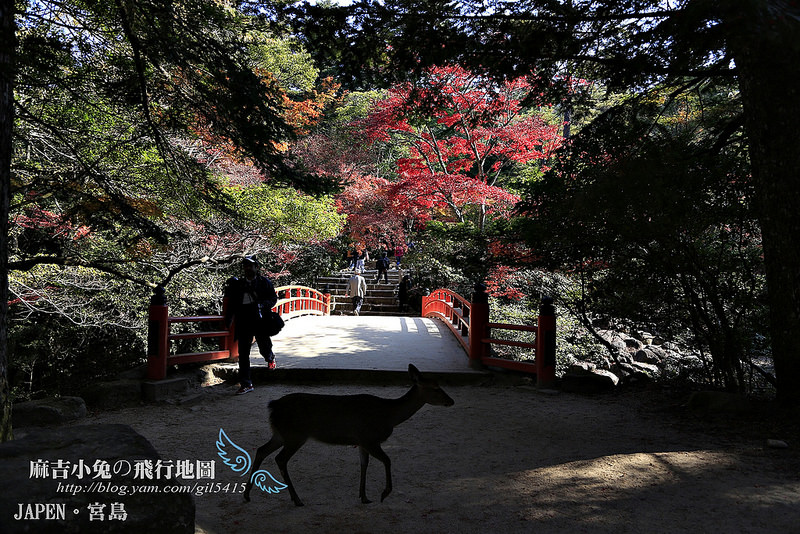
x=503 y=458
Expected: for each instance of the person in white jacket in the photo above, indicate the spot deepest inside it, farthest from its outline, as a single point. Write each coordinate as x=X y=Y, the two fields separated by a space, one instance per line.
x=357 y=290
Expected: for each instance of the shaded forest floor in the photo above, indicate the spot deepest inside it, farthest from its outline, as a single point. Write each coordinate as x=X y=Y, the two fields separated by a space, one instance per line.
x=503 y=457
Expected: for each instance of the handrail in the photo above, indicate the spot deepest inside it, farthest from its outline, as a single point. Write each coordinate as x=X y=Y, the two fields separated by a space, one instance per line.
x=453 y=309
x=304 y=301
x=293 y=301
x=469 y=322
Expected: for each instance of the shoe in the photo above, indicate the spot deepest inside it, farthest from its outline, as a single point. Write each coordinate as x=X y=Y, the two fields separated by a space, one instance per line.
x=245 y=389
x=271 y=365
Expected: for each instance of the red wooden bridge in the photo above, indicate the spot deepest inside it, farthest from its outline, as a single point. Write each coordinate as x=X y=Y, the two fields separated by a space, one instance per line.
x=342 y=340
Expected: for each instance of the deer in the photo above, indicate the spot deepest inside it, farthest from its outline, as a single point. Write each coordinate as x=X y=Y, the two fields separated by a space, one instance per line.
x=362 y=420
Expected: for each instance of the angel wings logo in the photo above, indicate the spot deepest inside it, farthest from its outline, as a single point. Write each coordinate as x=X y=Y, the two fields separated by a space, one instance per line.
x=237 y=459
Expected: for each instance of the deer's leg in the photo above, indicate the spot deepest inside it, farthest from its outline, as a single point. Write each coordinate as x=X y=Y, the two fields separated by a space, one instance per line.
x=362 y=489
x=282 y=459
x=376 y=451
x=263 y=451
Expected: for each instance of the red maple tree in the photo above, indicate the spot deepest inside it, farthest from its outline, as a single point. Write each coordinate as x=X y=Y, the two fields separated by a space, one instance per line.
x=470 y=134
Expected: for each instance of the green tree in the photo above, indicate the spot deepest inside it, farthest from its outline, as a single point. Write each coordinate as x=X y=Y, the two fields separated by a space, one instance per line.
x=663 y=234
x=116 y=104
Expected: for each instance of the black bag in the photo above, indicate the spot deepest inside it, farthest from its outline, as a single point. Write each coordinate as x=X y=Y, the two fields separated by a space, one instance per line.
x=272 y=323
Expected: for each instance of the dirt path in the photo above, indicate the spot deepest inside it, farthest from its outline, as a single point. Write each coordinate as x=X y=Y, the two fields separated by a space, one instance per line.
x=507 y=459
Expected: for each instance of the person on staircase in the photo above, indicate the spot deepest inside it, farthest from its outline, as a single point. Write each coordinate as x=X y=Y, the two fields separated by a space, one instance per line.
x=403 y=290
x=352 y=254
x=361 y=257
x=357 y=290
x=383 y=268
x=399 y=251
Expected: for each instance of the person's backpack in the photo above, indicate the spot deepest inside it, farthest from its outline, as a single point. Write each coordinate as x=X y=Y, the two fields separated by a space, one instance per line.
x=383 y=263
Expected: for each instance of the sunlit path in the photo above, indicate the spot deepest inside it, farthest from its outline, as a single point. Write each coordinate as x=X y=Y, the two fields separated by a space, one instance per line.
x=366 y=343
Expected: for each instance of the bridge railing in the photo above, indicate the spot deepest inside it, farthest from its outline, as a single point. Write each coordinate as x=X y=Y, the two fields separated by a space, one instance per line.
x=301 y=300
x=469 y=322
x=293 y=301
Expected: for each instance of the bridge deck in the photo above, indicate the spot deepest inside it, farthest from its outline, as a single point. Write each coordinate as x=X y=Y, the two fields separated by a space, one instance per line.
x=363 y=344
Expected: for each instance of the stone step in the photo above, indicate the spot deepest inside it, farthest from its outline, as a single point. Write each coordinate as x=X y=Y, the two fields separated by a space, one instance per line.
x=381 y=298
x=342 y=281
x=371 y=286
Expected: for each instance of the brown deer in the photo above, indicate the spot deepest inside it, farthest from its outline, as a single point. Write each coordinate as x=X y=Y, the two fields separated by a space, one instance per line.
x=363 y=420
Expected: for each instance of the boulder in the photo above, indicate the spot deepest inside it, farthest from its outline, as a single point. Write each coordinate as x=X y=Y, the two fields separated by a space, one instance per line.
x=45 y=490
x=619 y=345
x=49 y=411
x=659 y=352
x=651 y=370
x=645 y=337
x=650 y=355
x=636 y=371
x=580 y=367
x=633 y=343
x=584 y=377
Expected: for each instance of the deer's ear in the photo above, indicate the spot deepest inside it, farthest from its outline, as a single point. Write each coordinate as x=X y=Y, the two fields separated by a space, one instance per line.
x=414 y=372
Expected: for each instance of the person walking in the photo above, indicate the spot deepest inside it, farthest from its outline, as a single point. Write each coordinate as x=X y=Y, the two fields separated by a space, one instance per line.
x=399 y=251
x=361 y=257
x=357 y=290
x=383 y=268
x=250 y=298
x=403 y=290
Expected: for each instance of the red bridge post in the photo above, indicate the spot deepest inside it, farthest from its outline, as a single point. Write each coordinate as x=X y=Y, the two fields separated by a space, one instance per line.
x=546 y=345
x=229 y=342
x=478 y=326
x=157 y=331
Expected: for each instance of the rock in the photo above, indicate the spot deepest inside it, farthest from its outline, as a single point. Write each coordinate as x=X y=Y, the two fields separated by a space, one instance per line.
x=66 y=510
x=594 y=381
x=632 y=343
x=777 y=444
x=619 y=345
x=649 y=355
x=113 y=394
x=49 y=411
x=580 y=367
x=632 y=371
x=689 y=361
x=625 y=358
x=649 y=369
x=646 y=337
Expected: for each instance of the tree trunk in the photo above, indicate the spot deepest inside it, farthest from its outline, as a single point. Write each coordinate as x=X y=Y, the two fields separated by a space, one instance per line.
x=767 y=58
x=7 y=71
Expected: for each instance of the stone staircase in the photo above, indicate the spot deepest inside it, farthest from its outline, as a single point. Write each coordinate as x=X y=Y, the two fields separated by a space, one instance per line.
x=381 y=298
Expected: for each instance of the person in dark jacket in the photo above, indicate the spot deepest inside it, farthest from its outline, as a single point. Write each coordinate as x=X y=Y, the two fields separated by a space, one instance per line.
x=403 y=290
x=249 y=298
x=383 y=267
